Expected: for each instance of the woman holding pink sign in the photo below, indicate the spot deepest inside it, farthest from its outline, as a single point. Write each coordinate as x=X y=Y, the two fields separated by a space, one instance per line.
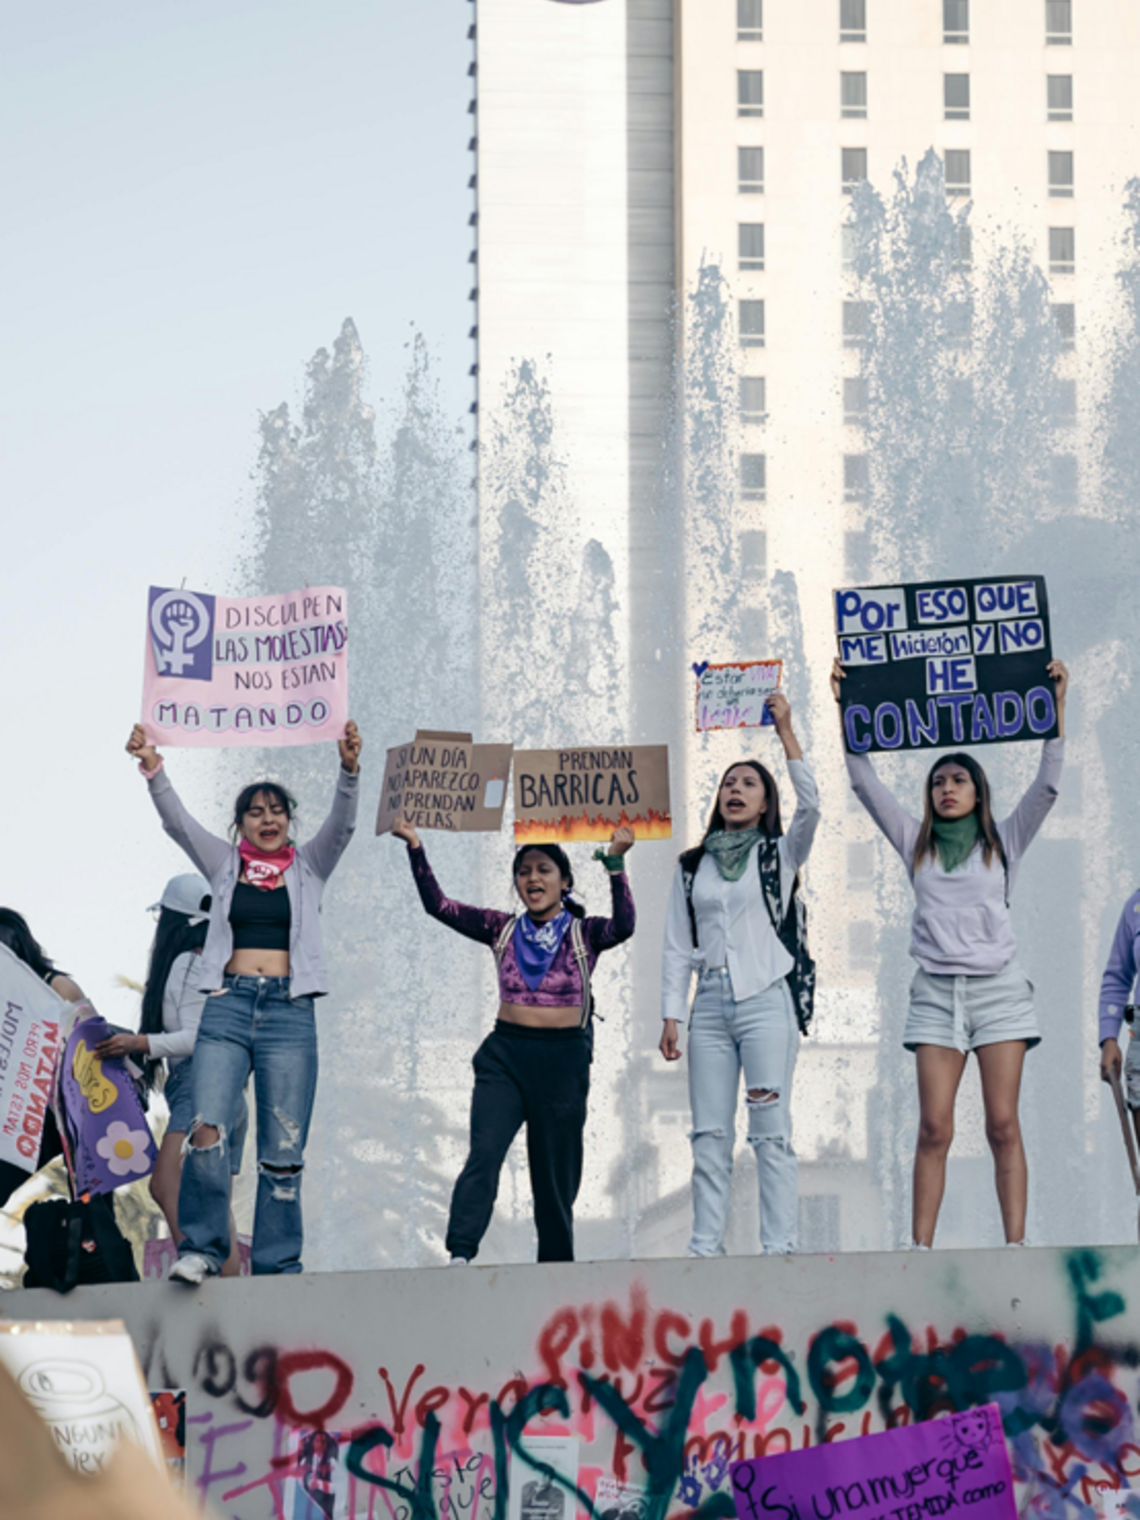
x=969 y=992
x=261 y=967
x=736 y=917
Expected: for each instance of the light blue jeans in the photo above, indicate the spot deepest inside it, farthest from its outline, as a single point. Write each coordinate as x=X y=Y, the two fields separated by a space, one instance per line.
x=254 y=1026
x=758 y=1035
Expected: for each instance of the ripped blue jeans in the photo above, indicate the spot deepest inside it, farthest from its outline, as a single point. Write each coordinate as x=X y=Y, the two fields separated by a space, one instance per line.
x=758 y=1035
x=253 y=1026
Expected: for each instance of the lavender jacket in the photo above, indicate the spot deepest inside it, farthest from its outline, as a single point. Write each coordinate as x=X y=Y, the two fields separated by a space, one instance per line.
x=219 y=862
x=562 y=986
x=1120 y=973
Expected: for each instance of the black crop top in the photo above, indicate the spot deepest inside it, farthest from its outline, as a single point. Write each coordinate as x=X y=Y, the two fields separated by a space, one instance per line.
x=260 y=919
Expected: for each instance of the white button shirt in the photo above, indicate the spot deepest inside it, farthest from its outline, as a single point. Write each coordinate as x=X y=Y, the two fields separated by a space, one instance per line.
x=733 y=927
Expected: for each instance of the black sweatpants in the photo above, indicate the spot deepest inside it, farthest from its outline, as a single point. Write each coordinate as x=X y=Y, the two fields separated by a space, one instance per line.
x=540 y=1078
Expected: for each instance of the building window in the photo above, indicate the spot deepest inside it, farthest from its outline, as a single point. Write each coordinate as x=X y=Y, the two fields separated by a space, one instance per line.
x=960 y=399
x=1063 y=480
x=854 y=168
x=1064 y=403
x=861 y=944
x=854 y=323
x=753 y=398
x=751 y=253
x=860 y=867
x=856 y=477
x=857 y=555
x=849 y=245
x=1062 y=250
x=754 y=553
x=965 y=258
x=852 y=94
x=750 y=171
x=1059 y=96
x=753 y=476
x=852 y=20
x=752 y=324
x=955 y=20
x=957 y=171
x=749 y=20
x=818 y=1224
x=1065 y=316
x=1058 y=22
x=855 y=399
x=956 y=96
x=749 y=92
x=959 y=322
x=1061 y=175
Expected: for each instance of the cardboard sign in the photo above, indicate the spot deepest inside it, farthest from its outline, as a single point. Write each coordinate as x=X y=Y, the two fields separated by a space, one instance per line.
x=585 y=794
x=107 y=1141
x=31 y=1017
x=958 y=1464
x=940 y=664
x=84 y=1381
x=735 y=695
x=248 y=670
x=445 y=781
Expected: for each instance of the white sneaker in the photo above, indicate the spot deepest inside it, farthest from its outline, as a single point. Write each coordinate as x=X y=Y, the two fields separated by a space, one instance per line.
x=191 y=1269
x=459 y=1261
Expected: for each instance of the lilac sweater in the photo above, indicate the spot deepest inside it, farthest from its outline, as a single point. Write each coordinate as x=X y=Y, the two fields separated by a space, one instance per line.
x=961 y=924
x=1120 y=973
x=562 y=985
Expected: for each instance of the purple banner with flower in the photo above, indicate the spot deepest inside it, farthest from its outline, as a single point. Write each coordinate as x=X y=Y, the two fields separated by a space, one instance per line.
x=103 y=1123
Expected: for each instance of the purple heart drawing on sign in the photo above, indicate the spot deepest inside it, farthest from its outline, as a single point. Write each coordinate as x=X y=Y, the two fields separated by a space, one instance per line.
x=699 y=670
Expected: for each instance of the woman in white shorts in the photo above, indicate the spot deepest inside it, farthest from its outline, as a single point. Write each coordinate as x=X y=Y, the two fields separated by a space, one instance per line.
x=969 y=992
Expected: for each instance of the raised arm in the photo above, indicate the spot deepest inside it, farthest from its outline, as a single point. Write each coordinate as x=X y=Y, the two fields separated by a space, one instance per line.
x=797 y=841
x=1019 y=828
x=330 y=841
x=484 y=925
x=899 y=826
x=606 y=933
x=206 y=850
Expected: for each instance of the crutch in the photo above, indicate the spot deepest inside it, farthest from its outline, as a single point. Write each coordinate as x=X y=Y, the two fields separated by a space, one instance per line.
x=1126 y=1127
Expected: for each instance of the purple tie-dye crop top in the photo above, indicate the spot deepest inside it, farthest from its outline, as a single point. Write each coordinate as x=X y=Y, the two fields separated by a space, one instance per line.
x=562 y=985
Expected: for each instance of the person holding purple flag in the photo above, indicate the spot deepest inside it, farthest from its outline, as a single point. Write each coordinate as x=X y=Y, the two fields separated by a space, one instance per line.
x=534 y=1066
x=261 y=968
x=171 y=1012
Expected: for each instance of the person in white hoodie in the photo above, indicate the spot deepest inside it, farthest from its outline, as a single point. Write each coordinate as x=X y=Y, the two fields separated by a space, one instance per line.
x=969 y=992
x=735 y=917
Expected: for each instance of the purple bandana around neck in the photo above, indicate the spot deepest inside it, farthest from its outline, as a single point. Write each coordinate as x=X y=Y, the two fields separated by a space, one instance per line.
x=536 y=945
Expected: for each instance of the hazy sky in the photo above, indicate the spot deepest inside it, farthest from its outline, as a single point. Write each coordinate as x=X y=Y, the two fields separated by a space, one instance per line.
x=193 y=199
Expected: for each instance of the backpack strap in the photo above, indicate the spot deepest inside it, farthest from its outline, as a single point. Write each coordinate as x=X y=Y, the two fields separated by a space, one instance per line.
x=582 y=960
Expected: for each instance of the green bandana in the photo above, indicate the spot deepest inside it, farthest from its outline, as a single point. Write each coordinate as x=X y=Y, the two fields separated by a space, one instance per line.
x=955 y=838
x=730 y=848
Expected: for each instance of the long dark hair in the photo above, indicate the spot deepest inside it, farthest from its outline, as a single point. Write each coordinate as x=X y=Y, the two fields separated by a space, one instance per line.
x=769 y=821
x=273 y=789
x=991 y=842
x=14 y=933
x=560 y=858
x=173 y=937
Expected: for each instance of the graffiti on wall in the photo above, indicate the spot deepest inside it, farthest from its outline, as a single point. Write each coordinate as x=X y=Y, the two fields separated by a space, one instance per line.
x=661 y=1403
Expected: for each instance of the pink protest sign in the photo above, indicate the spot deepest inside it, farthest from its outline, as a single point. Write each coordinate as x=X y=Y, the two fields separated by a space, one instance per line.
x=955 y=1464
x=247 y=670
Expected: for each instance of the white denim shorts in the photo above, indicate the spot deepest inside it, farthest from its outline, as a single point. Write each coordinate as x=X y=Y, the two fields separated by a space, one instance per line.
x=966 y=1012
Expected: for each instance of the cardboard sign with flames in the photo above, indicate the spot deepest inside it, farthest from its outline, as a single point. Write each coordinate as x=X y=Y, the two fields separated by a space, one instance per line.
x=585 y=794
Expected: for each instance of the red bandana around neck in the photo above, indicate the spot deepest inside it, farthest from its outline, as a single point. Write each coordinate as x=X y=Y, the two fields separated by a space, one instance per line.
x=261 y=869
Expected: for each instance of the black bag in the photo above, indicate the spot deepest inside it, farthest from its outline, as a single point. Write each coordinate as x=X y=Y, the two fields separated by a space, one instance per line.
x=70 y=1243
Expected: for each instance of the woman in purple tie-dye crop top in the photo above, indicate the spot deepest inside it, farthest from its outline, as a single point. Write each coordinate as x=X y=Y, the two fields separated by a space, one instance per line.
x=534 y=1066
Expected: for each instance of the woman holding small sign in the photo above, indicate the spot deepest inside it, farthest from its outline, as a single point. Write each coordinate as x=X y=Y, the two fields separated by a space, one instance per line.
x=534 y=1066
x=261 y=967
x=735 y=913
x=969 y=993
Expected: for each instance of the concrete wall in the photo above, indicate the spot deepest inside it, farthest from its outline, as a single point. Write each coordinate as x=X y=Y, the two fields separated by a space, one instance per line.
x=656 y=1363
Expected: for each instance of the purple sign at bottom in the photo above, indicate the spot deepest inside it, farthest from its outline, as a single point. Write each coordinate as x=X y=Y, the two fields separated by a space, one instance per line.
x=958 y=1464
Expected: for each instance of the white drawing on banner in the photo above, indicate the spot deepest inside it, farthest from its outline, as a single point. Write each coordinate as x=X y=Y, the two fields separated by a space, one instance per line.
x=86 y=1421
x=179 y=621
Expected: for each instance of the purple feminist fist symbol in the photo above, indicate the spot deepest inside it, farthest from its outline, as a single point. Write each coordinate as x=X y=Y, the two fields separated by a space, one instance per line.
x=181 y=623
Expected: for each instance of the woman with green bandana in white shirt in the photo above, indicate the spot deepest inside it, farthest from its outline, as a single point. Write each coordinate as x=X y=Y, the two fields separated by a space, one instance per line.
x=729 y=894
